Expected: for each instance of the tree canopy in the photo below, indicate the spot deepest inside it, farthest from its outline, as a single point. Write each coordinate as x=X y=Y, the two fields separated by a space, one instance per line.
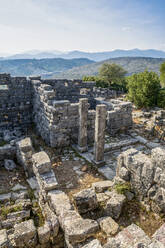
x=112 y=73
x=143 y=89
x=162 y=74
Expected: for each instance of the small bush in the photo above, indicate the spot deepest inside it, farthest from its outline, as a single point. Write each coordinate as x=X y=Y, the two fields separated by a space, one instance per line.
x=143 y=89
x=122 y=188
x=161 y=99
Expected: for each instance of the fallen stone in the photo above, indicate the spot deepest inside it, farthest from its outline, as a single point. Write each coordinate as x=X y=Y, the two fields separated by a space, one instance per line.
x=44 y=233
x=5 y=197
x=32 y=181
x=22 y=194
x=159 y=235
x=114 y=205
x=18 y=187
x=92 y=244
x=59 y=201
x=25 y=234
x=9 y=164
x=80 y=229
x=85 y=200
x=101 y=186
x=4 y=242
x=108 y=225
x=130 y=237
x=41 y=162
x=25 y=145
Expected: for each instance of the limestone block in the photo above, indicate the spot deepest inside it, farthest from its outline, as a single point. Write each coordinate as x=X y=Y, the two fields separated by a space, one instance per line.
x=108 y=225
x=47 y=180
x=159 y=235
x=25 y=234
x=114 y=205
x=59 y=201
x=4 y=242
x=92 y=244
x=131 y=237
x=158 y=157
x=80 y=229
x=5 y=197
x=41 y=162
x=101 y=186
x=44 y=233
x=25 y=145
x=85 y=200
x=67 y=216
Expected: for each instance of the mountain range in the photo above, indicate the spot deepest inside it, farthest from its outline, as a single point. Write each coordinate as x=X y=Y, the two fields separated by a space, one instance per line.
x=42 y=67
x=130 y=64
x=96 y=56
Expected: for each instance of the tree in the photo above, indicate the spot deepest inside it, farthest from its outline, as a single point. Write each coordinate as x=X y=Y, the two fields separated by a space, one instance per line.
x=112 y=73
x=162 y=74
x=143 y=89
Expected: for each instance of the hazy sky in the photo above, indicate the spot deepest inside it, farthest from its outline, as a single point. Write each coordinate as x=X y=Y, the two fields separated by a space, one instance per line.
x=88 y=25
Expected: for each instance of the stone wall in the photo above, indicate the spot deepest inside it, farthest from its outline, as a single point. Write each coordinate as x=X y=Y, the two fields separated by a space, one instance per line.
x=53 y=105
x=15 y=102
x=146 y=175
x=57 y=121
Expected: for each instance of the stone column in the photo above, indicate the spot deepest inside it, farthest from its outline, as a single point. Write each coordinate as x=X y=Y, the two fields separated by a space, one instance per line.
x=100 y=124
x=83 y=116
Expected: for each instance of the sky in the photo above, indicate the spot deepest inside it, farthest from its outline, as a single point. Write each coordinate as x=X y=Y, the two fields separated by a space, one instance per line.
x=86 y=25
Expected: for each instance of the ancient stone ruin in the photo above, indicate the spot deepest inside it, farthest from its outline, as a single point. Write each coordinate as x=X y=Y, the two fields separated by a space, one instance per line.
x=77 y=169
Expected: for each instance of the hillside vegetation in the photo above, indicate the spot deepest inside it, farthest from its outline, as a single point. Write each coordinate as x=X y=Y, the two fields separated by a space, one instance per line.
x=130 y=64
x=43 y=67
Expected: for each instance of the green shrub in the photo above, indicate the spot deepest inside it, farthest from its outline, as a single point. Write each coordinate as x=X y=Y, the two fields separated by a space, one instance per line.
x=161 y=98
x=122 y=188
x=143 y=89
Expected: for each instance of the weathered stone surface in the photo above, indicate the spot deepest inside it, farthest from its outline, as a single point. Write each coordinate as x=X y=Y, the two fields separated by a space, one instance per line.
x=59 y=201
x=18 y=186
x=158 y=157
x=83 y=114
x=159 y=235
x=131 y=237
x=140 y=168
x=25 y=145
x=22 y=194
x=41 y=162
x=4 y=242
x=108 y=225
x=156 y=244
x=5 y=197
x=100 y=123
x=80 y=229
x=47 y=180
x=67 y=216
x=44 y=233
x=93 y=244
x=32 y=181
x=102 y=197
x=114 y=205
x=85 y=200
x=25 y=234
x=101 y=186
x=9 y=165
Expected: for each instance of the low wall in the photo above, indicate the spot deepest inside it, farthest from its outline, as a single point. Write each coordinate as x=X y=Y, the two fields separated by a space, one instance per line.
x=15 y=102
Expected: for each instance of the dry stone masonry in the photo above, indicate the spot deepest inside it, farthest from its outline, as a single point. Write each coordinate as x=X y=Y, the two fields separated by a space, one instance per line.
x=39 y=212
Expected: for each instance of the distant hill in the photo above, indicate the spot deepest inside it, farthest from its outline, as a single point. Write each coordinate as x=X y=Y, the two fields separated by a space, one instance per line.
x=43 y=67
x=96 y=56
x=130 y=64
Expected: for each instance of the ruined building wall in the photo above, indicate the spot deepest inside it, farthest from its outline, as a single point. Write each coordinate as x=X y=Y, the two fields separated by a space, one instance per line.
x=57 y=121
x=53 y=105
x=15 y=102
